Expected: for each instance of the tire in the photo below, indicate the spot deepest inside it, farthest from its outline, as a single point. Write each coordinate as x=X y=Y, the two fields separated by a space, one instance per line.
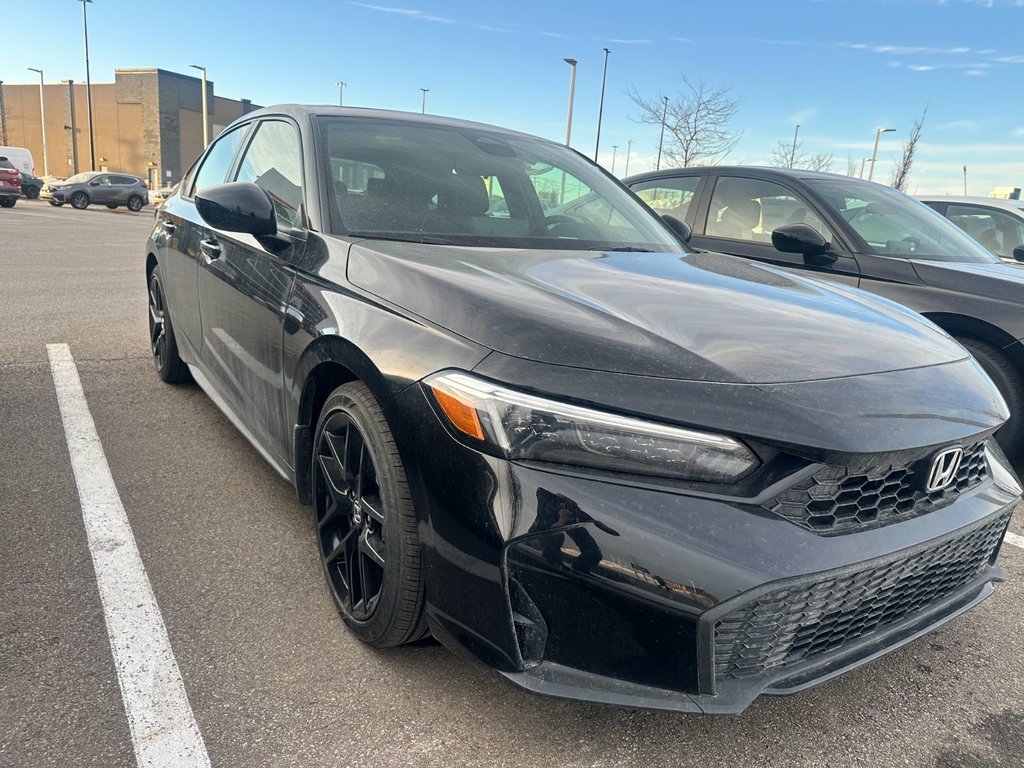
x=56 y=203
x=1010 y=385
x=8 y=202
x=365 y=522
x=80 y=200
x=32 y=193
x=135 y=203
x=169 y=365
x=111 y=207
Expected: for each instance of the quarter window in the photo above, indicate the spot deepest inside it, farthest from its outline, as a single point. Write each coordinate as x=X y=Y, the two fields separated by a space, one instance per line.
x=669 y=196
x=273 y=162
x=997 y=230
x=215 y=165
x=751 y=209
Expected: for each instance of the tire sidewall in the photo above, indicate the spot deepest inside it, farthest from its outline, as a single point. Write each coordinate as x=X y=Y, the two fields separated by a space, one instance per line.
x=135 y=203
x=78 y=197
x=999 y=368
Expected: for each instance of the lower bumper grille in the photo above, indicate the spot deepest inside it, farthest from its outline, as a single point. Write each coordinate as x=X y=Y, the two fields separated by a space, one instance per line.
x=803 y=621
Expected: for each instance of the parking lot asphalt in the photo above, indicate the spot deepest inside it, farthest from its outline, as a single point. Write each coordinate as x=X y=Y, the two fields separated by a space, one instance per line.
x=272 y=676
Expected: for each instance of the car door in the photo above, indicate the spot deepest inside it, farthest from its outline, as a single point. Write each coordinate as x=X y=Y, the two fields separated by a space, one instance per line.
x=180 y=230
x=124 y=186
x=740 y=214
x=244 y=283
x=100 y=192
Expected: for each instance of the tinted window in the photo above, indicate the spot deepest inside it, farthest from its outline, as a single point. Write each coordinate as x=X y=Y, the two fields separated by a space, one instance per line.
x=997 y=230
x=273 y=162
x=217 y=162
x=478 y=187
x=669 y=195
x=6 y=164
x=751 y=209
x=892 y=224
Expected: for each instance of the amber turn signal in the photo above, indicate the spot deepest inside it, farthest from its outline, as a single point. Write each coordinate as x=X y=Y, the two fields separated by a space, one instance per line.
x=462 y=415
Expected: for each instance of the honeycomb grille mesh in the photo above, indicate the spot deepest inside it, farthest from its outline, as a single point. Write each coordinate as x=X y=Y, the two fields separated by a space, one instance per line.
x=841 y=500
x=804 y=621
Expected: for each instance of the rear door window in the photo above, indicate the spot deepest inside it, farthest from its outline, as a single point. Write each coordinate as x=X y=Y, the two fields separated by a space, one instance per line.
x=997 y=230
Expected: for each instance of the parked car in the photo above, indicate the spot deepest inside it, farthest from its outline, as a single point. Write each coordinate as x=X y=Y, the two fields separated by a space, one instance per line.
x=996 y=224
x=10 y=183
x=30 y=185
x=20 y=157
x=609 y=467
x=109 y=189
x=866 y=235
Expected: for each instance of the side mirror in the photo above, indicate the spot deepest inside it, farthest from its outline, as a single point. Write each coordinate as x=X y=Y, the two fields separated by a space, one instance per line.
x=94 y=183
x=1018 y=253
x=805 y=240
x=679 y=227
x=238 y=207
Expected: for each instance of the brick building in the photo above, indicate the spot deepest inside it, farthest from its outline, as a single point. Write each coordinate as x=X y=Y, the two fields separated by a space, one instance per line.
x=148 y=122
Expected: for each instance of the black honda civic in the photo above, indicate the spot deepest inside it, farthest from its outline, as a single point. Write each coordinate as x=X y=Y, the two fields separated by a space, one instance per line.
x=607 y=467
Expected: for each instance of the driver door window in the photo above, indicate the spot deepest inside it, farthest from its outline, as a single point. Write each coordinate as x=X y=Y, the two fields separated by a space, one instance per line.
x=998 y=231
x=751 y=209
x=273 y=162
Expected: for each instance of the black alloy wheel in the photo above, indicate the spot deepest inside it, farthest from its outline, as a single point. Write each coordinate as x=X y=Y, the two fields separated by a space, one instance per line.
x=112 y=206
x=79 y=200
x=366 y=527
x=169 y=366
x=135 y=203
x=8 y=202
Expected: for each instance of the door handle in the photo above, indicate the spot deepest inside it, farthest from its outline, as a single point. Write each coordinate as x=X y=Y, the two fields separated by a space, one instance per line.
x=210 y=249
x=168 y=226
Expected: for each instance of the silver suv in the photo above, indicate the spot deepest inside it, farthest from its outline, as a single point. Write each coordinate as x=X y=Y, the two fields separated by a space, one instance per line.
x=109 y=189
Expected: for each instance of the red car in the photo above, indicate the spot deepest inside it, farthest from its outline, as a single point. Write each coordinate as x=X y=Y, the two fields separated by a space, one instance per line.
x=10 y=183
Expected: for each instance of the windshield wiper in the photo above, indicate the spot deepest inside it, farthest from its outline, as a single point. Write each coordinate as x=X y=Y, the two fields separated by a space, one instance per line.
x=424 y=240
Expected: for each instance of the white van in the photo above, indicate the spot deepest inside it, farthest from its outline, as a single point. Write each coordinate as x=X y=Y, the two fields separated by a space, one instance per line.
x=20 y=157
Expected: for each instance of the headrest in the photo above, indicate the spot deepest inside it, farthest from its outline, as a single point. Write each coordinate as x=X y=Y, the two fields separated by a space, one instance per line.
x=744 y=212
x=464 y=193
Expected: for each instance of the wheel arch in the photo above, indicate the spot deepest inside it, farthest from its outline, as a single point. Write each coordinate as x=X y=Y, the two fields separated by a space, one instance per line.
x=150 y=265
x=962 y=325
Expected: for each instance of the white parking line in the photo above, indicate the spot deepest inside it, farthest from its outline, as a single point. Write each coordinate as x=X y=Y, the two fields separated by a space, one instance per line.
x=163 y=727
x=1014 y=539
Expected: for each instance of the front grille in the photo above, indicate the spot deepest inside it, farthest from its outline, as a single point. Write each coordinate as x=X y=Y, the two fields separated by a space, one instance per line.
x=801 y=622
x=841 y=500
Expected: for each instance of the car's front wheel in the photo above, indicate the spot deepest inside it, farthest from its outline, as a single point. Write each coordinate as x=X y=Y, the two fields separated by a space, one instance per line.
x=56 y=203
x=169 y=365
x=8 y=202
x=112 y=206
x=79 y=200
x=135 y=203
x=365 y=523
x=1010 y=385
x=32 y=192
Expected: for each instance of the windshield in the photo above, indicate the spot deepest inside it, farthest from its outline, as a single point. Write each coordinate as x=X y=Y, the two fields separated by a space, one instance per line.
x=463 y=186
x=79 y=178
x=893 y=224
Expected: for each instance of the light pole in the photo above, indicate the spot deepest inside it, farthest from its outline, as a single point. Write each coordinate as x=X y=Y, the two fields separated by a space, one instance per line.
x=423 y=107
x=965 y=181
x=74 y=125
x=88 y=86
x=572 y=91
x=629 y=148
x=661 y=141
x=341 y=92
x=615 y=150
x=206 y=117
x=874 y=152
x=42 y=119
x=792 y=154
x=600 y=109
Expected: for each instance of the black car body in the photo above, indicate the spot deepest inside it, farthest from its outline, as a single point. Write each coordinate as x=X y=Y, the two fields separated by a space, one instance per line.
x=605 y=466
x=30 y=185
x=98 y=188
x=877 y=239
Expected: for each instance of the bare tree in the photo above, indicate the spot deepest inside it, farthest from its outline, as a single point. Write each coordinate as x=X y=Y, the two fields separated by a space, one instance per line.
x=788 y=155
x=901 y=173
x=851 y=165
x=697 y=130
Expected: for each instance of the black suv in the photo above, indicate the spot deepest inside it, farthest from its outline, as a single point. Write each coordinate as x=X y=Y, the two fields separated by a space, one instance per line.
x=865 y=235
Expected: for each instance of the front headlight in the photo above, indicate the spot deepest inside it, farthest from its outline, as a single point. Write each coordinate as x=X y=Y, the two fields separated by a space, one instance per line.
x=520 y=426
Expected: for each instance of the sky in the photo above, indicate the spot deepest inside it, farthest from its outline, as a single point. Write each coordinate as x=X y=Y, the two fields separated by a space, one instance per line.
x=839 y=68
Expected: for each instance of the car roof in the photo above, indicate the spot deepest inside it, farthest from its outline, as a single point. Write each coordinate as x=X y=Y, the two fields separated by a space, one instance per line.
x=301 y=111
x=993 y=202
x=761 y=171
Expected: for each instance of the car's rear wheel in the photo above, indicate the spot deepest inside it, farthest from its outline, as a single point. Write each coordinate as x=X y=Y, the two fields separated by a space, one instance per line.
x=169 y=365
x=8 y=202
x=135 y=203
x=79 y=200
x=365 y=523
x=1010 y=385
x=32 y=193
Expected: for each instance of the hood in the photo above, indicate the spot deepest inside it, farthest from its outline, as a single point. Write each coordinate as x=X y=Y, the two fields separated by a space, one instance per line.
x=1003 y=281
x=701 y=317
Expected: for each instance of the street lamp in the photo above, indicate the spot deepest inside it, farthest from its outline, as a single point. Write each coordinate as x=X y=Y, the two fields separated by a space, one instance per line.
x=792 y=154
x=615 y=150
x=423 y=106
x=629 y=148
x=572 y=91
x=600 y=109
x=874 y=152
x=88 y=86
x=42 y=119
x=341 y=92
x=661 y=141
x=206 y=117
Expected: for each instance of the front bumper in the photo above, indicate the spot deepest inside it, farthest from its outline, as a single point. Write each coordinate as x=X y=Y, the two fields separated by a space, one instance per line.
x=593 y=588
x=57 y=195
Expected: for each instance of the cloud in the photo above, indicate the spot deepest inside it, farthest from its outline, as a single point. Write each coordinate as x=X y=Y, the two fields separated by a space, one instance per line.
x=1018 y=132
x=407 y=12
x=624 y=41
x=486 y=28
x=907 y=50
x=553 y=34
x=689 y=40
x=801 y=116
